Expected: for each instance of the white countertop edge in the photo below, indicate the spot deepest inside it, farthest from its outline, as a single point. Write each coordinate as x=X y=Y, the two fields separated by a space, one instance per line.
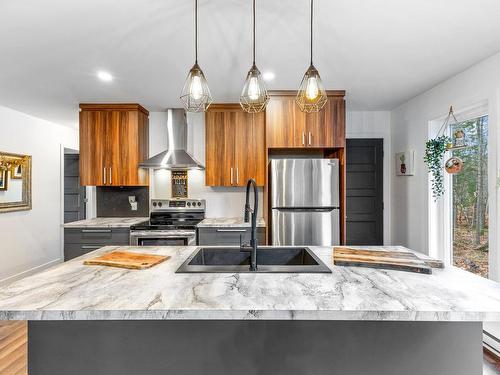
x=431 y=316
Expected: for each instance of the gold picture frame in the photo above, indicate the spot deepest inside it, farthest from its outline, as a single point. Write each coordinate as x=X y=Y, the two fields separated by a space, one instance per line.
x=17 y=172
x=4 y=180
x=8 y=164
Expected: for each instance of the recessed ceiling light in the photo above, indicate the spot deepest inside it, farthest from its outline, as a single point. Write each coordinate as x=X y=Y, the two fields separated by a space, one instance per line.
x=104 y=76
x=268 y=76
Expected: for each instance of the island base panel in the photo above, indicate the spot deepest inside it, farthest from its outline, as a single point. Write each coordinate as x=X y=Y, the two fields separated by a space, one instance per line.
x=254 y=347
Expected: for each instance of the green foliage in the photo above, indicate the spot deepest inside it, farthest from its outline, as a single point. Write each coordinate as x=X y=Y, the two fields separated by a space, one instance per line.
x=434 y=152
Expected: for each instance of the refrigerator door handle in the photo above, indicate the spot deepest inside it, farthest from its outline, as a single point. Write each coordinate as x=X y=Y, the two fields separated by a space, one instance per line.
x=306 y=209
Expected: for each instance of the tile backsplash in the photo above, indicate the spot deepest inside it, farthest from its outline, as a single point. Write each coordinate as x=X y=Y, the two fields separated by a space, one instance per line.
x=113 y=201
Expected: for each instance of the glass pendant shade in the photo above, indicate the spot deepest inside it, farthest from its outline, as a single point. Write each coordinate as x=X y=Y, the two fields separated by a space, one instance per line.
x=311 y=96
x=195 y=94
x=254 y=95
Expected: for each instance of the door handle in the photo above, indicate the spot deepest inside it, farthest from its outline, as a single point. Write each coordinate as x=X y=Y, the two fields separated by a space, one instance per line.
x=237 y=176
x=310 y=138
x=96 y=230
x=231 y=175
x=303 y=138
x=110 y=176
x=104 y=176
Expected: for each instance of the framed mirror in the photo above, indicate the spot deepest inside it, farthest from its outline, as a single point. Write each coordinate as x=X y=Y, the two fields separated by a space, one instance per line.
x=15 y=182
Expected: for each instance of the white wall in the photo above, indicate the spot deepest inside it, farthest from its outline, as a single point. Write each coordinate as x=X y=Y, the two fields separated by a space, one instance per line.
x=376 y=124
x=410 y=127
x=221 y=202
x=32 y=239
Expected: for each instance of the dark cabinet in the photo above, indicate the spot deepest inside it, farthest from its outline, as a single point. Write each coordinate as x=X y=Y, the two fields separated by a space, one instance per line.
x=228 y=236
x=80 y=241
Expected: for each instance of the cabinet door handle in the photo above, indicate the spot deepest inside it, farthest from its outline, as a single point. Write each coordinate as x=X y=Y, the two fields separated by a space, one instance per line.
x=310 y=138
x=87 y=247
x=110 y=176
x=231 y=175
x=104 y=176
x=303 y=138
x=96 y=230
x=237 y=176
x=232 y=230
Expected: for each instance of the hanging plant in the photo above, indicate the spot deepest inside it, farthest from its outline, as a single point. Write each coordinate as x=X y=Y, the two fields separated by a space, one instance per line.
x=434 y=152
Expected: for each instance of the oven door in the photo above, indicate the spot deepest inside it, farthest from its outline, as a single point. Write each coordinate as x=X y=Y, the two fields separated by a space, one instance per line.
x=163 y=238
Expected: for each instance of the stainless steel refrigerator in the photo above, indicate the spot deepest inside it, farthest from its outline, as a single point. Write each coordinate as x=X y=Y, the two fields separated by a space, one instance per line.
x=305 y=202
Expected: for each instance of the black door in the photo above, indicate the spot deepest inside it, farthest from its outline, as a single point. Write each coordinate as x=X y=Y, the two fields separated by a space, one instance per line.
x=74 y=194
x=364 y=190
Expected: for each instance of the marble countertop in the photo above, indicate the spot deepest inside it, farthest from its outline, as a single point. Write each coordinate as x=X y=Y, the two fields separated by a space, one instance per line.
x=228 y=222
x=72 y=291
x=106 y=222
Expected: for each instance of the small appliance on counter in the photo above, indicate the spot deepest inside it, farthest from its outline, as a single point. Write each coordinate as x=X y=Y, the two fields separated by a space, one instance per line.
x=172 y=222
x=305 y=202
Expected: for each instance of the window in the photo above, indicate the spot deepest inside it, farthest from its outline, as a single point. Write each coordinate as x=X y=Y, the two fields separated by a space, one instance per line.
x=470 y=215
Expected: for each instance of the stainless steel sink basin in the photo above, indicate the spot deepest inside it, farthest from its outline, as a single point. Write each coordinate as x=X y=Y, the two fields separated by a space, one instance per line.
x=269 y=260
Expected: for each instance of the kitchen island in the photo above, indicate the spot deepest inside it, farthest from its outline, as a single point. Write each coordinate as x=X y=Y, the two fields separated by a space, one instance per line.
x=351 y=321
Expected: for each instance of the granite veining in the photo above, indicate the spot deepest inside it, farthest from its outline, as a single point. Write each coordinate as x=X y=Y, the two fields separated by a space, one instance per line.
x=76 y=292
x=106 y=222
x=228 y=222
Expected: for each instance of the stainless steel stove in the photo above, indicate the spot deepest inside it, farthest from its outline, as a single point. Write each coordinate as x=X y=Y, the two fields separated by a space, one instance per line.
x=172 y=222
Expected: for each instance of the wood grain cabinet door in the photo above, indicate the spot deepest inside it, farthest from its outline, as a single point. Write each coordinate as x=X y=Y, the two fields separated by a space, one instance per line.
x=285 y=124
x=128 y=145
x=93 y=125
x=326 y=129
x=220 y=128
x=250 y=148
x=113 y=142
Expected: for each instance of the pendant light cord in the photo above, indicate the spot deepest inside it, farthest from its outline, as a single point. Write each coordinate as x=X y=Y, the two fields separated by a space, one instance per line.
x=253 y=32
x=196 y=31
x=312 y=31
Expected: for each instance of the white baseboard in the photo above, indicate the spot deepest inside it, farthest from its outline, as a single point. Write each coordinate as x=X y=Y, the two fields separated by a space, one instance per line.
x=29 y=272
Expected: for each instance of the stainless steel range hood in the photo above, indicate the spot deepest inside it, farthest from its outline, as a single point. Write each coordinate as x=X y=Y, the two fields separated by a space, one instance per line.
x=175 y=157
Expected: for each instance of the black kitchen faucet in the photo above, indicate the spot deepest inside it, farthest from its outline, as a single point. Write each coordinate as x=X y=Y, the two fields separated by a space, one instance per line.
x=253 y=240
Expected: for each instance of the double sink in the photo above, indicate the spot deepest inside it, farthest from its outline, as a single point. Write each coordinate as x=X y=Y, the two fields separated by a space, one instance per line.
x=270 y=260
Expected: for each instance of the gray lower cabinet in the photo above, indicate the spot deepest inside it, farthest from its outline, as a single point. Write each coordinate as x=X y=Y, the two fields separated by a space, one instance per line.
x=228 y=236
x=81 y=241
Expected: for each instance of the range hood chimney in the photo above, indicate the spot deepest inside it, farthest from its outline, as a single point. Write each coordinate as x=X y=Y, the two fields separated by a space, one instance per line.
x=175 y=157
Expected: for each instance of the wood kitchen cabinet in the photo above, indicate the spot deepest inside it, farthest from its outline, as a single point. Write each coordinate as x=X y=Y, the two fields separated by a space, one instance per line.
x=234 y=146
x=114 y=139
x=288 y=127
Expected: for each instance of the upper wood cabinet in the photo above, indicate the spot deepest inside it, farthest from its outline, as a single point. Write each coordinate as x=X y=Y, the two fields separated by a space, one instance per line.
x=234 y=146
x=114 y=139
x=288 y=127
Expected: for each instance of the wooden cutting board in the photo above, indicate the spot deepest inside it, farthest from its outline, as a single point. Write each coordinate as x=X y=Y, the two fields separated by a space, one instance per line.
x=394 y=260
x=124 y=259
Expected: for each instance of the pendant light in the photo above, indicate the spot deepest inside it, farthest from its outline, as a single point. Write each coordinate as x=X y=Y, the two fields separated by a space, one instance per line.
x=254 y=95
x=311 y=96
x=195 y=94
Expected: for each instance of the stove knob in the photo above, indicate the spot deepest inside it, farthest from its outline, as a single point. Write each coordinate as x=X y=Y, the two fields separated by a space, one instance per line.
x=159 y=204
x=154 y=204
x=199 y=203
x=189 y=204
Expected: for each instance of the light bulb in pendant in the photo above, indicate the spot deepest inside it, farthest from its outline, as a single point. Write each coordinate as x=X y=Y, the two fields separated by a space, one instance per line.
x=253 y=88
x=312 y=89
x=196 y=89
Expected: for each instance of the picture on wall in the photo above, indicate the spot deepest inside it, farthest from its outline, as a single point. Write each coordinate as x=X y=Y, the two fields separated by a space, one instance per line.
x=18 y=172
x=4 y=180
x=405 y=163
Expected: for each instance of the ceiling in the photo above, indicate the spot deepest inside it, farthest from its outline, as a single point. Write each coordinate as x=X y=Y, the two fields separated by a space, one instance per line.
x=382 y=52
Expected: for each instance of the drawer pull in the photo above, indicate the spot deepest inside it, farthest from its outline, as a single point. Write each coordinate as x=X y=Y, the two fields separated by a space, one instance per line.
x=96 y=230
x=232 y=230
x=87 y=247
